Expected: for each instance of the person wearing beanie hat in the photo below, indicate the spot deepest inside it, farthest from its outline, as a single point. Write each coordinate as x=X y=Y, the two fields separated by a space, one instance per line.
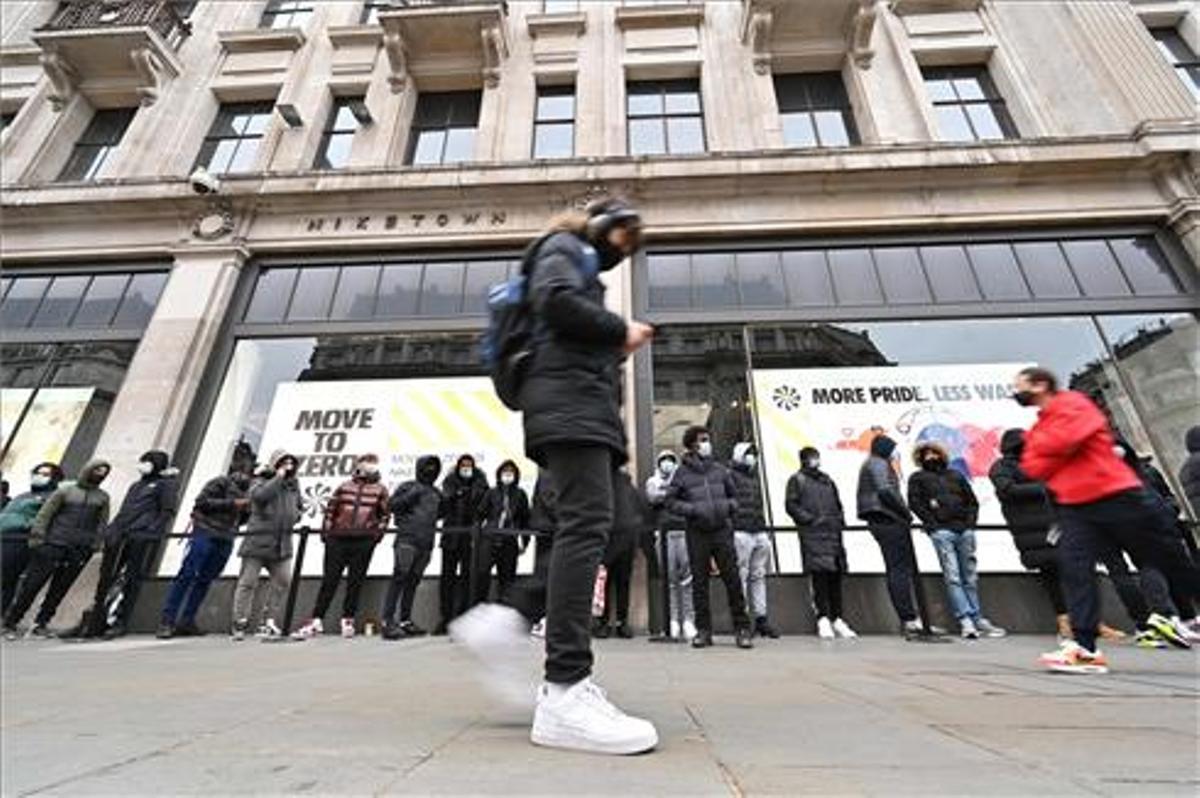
x=275 y=509
x=882 y=506
x=15 y=521
x=815 y=508
x=416 y=507
x=356 y=517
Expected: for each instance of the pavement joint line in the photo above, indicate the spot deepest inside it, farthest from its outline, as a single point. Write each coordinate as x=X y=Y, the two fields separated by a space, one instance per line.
x=727 y=775
x=427 y=757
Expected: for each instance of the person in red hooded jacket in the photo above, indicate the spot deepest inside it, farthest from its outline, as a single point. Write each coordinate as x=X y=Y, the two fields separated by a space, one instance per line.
x=1101 y=503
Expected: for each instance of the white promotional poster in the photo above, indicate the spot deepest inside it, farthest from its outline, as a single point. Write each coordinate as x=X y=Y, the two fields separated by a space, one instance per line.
x=327 y=425
x=839 y=411
x=45 y=432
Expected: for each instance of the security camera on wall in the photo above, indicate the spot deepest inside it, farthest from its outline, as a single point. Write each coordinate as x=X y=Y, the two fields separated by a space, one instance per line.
x=203 y=182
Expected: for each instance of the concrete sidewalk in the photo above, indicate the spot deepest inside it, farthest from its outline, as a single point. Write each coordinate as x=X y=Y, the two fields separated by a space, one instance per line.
x=797 y=716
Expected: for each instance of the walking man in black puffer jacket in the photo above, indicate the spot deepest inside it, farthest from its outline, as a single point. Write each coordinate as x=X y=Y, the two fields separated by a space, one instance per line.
x=703 y=492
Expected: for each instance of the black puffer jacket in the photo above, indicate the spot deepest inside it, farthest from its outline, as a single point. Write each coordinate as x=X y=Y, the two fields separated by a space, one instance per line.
x=1025 y=502
x=1189 y=473
x=416 y=506
x=149 y=504
x=461 y=502
x=879 y=497
x=703 y=493
x=941 y=496
x=749 y=516
x=215 y=509
x=571 y=392
x=815 y=508
x=505 y=506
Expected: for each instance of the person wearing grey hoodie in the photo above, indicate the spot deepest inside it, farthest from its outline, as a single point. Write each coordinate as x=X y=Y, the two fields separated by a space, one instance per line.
x=64 y=536
x=275 y=509
x=677 y=567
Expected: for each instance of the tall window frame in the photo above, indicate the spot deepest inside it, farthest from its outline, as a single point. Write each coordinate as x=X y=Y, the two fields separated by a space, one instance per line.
x=553 y=120
x=101 y=137
x=1180 y=56
x=287 y=14
x=444 y=128
x=337 y=137
x=815 y=110
x=967 y=106
x=664 y=117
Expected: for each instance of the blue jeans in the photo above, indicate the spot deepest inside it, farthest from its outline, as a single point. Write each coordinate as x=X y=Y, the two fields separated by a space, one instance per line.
x=205 y=559
x=956 y=552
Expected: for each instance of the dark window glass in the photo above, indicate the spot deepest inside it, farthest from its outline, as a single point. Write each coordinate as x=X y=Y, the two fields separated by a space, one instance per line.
x=7 y=118
x=950 y=274
x=184 y=8
x=141 y=297
x=997 y=271
x=355 y=297
x=60 y=302
x=481 y=276
x=399 y=289
x=441 y=289
x=664 y=117
x=336 y=140
x=102 y=136
x=286 y=14
x=1046 y=270
x=854 y=277
x=272 y=292
x=1181 y=58
x=314 y=291
x=901 y=275
x=1095 y=268
x=716 y=281
x=371 y=9
x=966 y=105
x=22 y=301
x=670 y=281
x=761 y=279
x=1145 y=266
x=554 y=124
x=815 y=110
x=444 y=128
x=101 y=300
x=232 y=142
x=806 y=274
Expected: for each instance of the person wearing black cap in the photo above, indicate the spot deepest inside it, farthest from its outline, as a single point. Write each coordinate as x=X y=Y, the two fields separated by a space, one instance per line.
x=571 y=401
x=882 y=506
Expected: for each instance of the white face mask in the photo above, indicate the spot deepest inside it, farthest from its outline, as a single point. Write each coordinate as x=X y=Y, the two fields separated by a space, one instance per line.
x=507 y=479
x=751 y=460
x=369 y=469
x=466 y=473
x=145 y=469
x=813 y=463
x=667 y=467
x=40 y=481
x=705 y=449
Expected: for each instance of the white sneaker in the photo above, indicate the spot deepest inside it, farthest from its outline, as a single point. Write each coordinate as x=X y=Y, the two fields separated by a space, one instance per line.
x=969 y=631
x=1191 y=630
x=824 y=628
x=313 y=628
x=842 y=629
x=348 y=630
x=676 y=629
x=581 y=718
x=269 y=629
x=498 y=637
x=989 y=629
x=539 y=630
x=689 y=629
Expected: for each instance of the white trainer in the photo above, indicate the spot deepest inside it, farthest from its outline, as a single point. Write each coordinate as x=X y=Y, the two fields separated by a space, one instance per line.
x=843 y=630
x=539 y=630
x=498 y=637
x=689 y=629
x=581 y=718
x=676 y=629
x=348 y=630
x=824 y=628
x=314 y=628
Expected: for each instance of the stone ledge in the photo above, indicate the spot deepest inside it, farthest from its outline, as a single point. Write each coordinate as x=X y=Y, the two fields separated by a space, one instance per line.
x=254 y=41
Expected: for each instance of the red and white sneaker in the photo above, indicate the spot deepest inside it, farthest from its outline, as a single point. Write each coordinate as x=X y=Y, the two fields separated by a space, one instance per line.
x=314 y=628
x=1074 y=658
x=348 y=628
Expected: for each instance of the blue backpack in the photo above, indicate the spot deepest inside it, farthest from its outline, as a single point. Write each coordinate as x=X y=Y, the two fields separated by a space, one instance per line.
x=511 y=336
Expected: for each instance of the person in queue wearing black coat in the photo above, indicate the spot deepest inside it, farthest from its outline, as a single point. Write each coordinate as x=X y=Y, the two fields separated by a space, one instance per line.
x=570 y=397
x=703 y=493
x=813 y=504
x=504 y=507
x=416 y=507
x=463 y=492
x=751 y=539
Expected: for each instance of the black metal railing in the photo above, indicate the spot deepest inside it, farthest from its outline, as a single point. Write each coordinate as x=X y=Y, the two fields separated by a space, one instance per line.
x=158 y=15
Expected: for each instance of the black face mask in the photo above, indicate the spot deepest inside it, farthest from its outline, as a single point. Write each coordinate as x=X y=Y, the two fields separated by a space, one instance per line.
x=934 y=464
x=1023 y=398
x=241 y=480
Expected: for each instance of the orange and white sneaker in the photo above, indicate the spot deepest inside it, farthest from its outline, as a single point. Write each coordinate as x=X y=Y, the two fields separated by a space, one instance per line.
x=1074 y=658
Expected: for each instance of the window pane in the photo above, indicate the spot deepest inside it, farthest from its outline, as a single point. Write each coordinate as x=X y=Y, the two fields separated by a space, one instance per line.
x=760 y=279
x=825 y=90
x=554 y=141
x=670 y=281
x=940 y=90
x=82 y=162
x=952 y=124
x=481 y=276
x=343 y=118
x=683 y=100
x=442 y=289
x=950 y=274
x=969 y=88
x=355 y=298
x=685 y=135
x=997 y=271
x=790 y=93
x=399 y=286
x=220 y=155
x=645 y=100
x=556 y=106
x=854 y=278
x=464 y=108
x=460 y=145
x=101 y=301
x=314 y=290
x=647 y=137
x=1145 y=266
x=983 y=118
x=271 y=294
x=108 y=126
x=716 y=282
x=798 y=130
x=335 y=151
x=429 y=147
x=433 y=110
x=1095 y=268
x=1046 y=270
x=831 y=127
x=140 y=300
x=255 y=118
x=246 y=156
x=58 y=306
x=901 y=275
x=807 y=277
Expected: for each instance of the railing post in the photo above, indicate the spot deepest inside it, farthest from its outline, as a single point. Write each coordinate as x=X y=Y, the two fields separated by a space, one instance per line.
x=294 y=588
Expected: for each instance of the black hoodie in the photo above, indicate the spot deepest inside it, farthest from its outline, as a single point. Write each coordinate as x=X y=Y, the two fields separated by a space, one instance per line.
x=940 y=495
x=416 y=506
x=879 y=497
x=150 y=503
x=1025 y=502
x=505 y=506
x=461 y=502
